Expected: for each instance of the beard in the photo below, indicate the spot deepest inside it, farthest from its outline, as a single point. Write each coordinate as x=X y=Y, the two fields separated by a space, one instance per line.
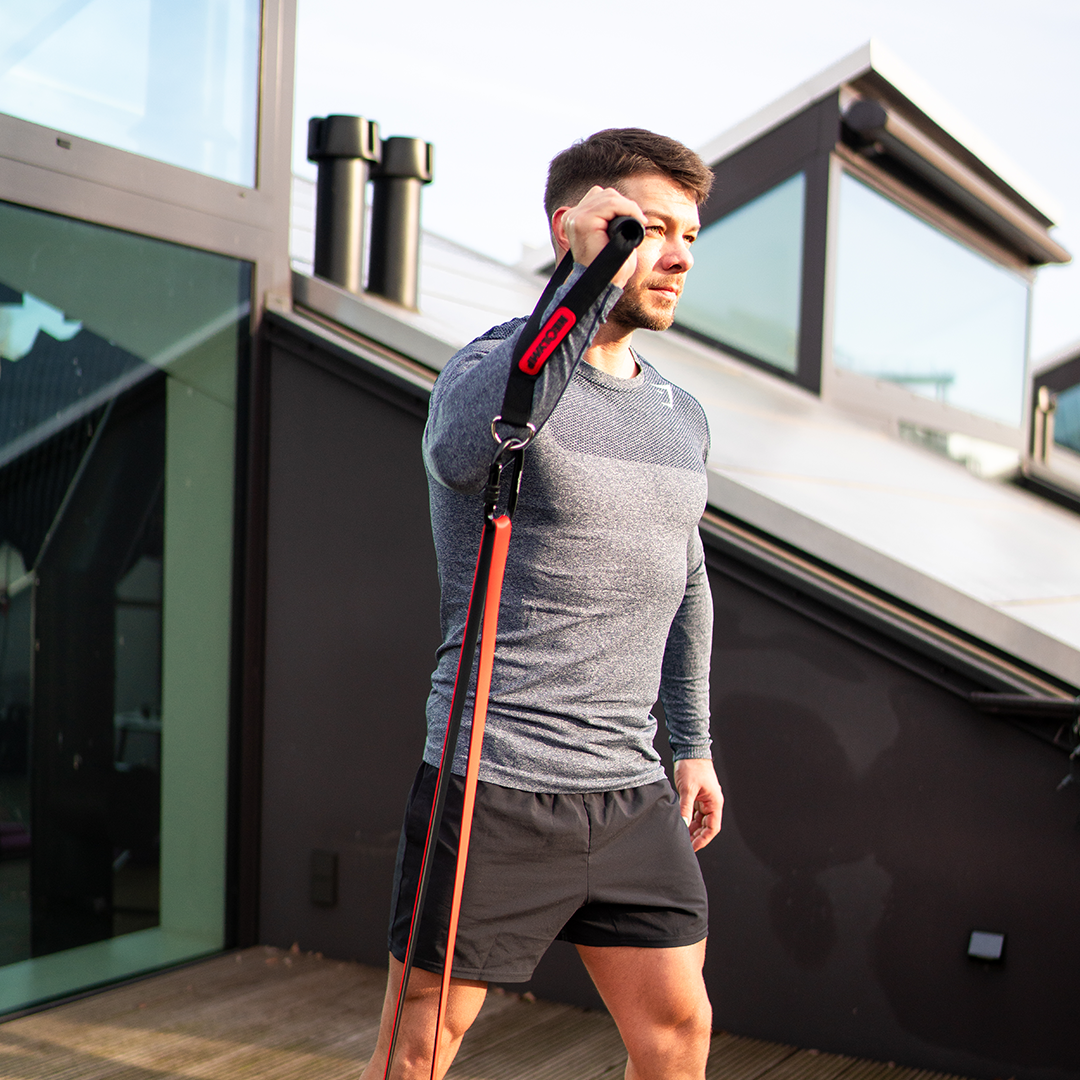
x=631 y=311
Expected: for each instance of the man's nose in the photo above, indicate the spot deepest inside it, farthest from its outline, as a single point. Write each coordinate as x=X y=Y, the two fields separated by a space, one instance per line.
x=677 y=256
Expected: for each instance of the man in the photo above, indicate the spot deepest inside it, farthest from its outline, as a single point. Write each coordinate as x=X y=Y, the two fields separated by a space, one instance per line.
x=605 y=604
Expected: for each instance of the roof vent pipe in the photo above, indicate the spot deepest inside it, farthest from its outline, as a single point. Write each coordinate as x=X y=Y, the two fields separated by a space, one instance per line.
x=344 y=147
x=393 y=265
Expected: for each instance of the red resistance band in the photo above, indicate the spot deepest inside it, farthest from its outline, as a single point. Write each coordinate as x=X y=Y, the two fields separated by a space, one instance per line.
x=482 y=620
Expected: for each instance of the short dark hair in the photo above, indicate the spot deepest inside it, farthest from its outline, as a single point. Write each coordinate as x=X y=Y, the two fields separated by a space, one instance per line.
x=617 y=153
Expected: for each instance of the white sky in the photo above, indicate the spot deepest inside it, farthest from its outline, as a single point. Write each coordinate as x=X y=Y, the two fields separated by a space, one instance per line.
x=499 y=88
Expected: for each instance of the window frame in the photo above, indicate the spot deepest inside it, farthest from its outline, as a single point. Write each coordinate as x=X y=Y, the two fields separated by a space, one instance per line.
x=889 y=402
x=53 y=171
x=803 y=144
x=816 y=141
x=48 y=169
x=1048 y=464
x=734 y=350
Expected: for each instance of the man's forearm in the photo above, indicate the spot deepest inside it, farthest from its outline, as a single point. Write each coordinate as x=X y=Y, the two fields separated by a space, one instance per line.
x=684 y=680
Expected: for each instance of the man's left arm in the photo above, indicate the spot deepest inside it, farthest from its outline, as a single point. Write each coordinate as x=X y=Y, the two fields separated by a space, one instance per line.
x=684 y=693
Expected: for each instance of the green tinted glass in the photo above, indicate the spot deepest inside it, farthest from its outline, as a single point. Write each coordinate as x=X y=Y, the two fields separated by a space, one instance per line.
x=917 y=308
x=118 y=359
x=745 y=286
x=1067 y=419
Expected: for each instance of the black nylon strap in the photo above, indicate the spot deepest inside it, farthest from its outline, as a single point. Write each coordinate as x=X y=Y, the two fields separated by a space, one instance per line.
x=537 y=344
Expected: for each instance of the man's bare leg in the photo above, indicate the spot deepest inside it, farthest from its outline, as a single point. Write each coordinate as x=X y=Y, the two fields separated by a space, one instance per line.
x=658 y=1001
x=416 y=1037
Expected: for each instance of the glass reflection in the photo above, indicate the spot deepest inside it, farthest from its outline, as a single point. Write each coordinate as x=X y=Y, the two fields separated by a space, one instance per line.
x=172 y=81
x=745 y=285
x=118 y=359
x=917 y=308
x=15 y=666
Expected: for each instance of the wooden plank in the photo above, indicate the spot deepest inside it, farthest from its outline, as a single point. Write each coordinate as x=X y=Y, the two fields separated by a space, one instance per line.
x=877 y=1070
x=861 y=1069
x=541 y=1041
x=266 y=1014
x=260 y=1012
x=810 y=1065
x=735 y=1058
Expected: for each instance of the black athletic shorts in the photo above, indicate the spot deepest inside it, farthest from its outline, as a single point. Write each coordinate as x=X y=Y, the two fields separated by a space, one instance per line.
x=610 y=868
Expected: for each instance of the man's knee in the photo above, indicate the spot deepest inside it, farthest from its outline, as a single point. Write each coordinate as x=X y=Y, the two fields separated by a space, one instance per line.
x=697 y=1023
x=686 y=1017
x=672 y=1038
x=416 y=1029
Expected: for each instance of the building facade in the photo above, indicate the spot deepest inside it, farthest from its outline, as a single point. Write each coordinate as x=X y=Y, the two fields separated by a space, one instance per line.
x=219 y=603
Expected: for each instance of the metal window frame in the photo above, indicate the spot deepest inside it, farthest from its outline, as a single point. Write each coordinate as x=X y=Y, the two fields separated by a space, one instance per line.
x=932 y=212
x=889 y=403
x=812 y=142
x=803 y=144
x=47 y=169
x=1048 y=467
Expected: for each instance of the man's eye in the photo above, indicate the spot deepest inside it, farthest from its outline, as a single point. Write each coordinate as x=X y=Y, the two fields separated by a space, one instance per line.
x=690 y=239
x=654 y=228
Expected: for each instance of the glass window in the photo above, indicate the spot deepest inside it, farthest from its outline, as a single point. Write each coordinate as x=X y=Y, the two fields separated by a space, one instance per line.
x=917 y=308
x=1067 y=419
x=172 y=81
x=118 y=359
x=746 y=282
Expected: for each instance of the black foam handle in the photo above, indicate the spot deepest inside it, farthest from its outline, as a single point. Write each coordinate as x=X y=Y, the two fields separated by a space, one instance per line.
x=626 y=231
x=624 y=235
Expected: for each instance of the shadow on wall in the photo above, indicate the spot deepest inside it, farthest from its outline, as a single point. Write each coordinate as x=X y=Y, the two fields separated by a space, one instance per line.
x=893 y=820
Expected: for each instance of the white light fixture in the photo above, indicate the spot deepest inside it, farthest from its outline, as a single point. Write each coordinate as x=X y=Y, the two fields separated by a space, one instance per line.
x=986 y=945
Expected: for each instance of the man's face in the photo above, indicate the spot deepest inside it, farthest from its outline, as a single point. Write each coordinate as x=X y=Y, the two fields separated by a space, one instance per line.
x=651 y=295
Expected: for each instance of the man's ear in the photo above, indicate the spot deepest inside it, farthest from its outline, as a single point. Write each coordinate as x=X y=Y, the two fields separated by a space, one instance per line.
x=559 y=240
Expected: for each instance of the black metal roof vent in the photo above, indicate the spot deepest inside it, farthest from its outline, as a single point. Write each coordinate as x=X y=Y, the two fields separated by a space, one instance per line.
x=344 y=148
x=348 y=151
x=393 y=267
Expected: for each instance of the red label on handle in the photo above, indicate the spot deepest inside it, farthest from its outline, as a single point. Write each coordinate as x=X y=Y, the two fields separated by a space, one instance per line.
x=547 y=341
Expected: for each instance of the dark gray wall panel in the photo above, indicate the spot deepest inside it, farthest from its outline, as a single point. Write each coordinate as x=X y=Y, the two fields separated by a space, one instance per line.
x=351 y=631
x=873 y=820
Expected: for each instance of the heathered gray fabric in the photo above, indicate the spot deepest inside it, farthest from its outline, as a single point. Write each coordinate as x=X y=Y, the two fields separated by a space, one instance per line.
x=606 y=598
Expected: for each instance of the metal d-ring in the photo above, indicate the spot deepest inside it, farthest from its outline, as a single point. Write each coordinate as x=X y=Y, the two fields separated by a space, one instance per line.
x=509 y=445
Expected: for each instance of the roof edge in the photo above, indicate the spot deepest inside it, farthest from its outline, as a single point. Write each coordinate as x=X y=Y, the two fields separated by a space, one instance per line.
x=1062 y=354
x=388 y=324
x=874 y=57
x=937 y=598
x=819 y=86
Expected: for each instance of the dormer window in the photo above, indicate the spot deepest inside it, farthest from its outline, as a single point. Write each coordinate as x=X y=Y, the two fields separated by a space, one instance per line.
x=855 y=247
x=744 y=291
x=1052 y=454
x=917 y=308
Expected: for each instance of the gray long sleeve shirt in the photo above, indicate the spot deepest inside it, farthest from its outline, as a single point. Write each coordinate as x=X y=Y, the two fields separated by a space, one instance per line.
x=605 y=602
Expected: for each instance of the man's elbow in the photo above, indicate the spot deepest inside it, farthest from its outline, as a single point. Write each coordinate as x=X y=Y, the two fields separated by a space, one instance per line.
x=452 y=468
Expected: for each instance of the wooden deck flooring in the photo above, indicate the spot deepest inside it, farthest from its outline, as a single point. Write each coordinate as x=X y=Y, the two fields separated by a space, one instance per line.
x=273 y=1015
